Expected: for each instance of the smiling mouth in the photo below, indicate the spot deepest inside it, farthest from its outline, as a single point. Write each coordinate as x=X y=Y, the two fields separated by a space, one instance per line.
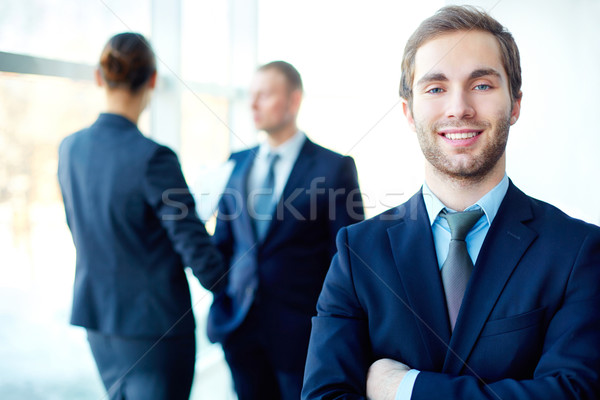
x=460 y=135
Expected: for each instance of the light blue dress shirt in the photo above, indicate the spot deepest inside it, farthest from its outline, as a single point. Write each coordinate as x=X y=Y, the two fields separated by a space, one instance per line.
x=490 y=203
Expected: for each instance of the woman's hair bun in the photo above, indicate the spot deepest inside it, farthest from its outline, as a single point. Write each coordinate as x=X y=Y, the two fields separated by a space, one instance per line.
x=127 y=61
x=115 y=68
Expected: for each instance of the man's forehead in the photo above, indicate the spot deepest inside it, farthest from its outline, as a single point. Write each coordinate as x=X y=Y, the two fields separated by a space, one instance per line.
x=460 y=52
x=268 y=77
x=270 y=74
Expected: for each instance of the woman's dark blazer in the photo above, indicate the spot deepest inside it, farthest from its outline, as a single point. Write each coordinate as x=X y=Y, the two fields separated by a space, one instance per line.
x=134 y=226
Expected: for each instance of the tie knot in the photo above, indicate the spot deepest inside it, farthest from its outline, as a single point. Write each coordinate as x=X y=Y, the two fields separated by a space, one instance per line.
x=461 y=222
x=272 y=157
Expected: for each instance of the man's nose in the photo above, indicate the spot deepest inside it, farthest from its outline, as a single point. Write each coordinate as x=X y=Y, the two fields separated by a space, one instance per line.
x=460 y=106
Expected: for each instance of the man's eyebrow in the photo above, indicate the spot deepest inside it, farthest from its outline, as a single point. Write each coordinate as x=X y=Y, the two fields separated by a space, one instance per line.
x=479 y=73
x=432 y=77
x=440 y=77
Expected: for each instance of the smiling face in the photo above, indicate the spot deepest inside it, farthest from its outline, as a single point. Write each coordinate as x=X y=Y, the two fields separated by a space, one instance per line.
x=461 y=108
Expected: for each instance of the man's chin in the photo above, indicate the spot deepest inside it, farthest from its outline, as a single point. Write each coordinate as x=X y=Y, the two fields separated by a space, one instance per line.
x=461 y=171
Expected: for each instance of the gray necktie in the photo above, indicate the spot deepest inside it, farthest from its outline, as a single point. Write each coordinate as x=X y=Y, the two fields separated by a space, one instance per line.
x=458 y=266
x=263 y=204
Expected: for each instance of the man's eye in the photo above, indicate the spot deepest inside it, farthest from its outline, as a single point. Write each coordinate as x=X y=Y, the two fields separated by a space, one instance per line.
x=482 y=87
x=435 y=90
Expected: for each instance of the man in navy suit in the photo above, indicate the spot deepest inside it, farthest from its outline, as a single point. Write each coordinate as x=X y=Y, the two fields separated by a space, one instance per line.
x=526 y=325
x=276 y=227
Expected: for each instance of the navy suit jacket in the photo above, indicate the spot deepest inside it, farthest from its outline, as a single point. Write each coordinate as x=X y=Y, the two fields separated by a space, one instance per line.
x=283 y=275
x=134 y=226
x=529 y=326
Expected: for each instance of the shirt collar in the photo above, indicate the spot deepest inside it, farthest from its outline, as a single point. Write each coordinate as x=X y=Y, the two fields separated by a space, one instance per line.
x=287 y=150
x=489 y=203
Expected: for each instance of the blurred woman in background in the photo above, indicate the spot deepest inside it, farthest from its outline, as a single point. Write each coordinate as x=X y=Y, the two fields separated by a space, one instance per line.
x=134 y=226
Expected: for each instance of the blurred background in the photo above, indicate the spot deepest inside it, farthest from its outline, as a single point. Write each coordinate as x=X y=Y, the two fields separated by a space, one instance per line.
x=349 y=54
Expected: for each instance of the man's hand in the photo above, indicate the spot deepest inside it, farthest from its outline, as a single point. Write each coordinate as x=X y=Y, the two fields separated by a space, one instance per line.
x=383 y=378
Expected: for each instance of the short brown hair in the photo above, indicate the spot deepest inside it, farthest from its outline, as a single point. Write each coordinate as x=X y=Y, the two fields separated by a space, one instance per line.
x=127 y=61
x=291 y=74
x=461 y=18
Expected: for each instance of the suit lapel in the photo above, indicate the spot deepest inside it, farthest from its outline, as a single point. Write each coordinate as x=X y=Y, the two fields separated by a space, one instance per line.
x=414 y=254
x=505 y=243
x=296 y=181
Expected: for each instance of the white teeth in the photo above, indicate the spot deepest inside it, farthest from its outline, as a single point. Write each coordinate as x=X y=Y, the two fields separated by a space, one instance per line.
x=459 y=136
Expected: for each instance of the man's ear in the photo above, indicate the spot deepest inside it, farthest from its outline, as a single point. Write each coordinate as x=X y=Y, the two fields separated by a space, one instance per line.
x=406 y=109
x=295 y=101
x=516 y=109
x=152 y=80
x=98 y=77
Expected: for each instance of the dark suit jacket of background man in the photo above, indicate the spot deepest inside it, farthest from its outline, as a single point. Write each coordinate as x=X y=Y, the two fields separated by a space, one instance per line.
x=529 y=325
x=127 y=204
x=282 y=276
